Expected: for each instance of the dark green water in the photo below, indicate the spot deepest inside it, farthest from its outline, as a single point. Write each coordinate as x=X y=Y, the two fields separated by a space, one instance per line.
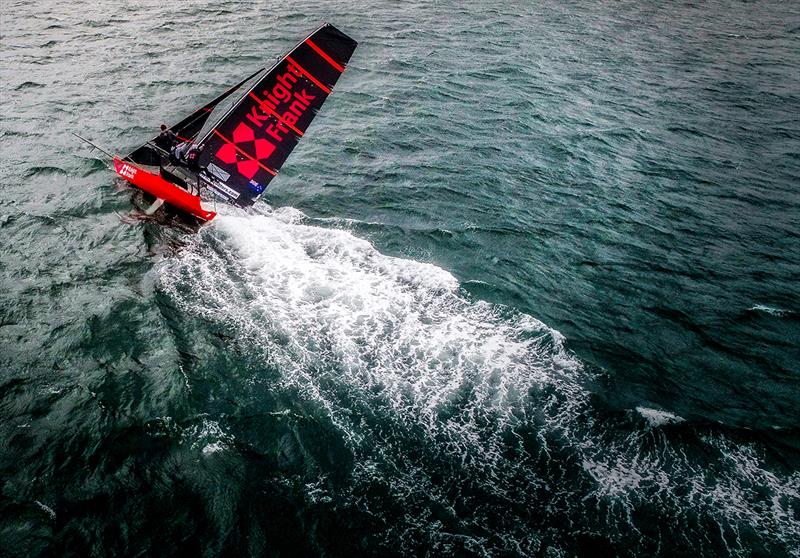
x=529 y=286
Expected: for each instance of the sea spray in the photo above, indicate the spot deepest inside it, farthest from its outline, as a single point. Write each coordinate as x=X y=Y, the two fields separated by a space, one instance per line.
x=455 y=404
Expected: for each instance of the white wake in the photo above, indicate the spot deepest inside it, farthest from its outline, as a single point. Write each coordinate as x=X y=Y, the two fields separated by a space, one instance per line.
x=489 y=391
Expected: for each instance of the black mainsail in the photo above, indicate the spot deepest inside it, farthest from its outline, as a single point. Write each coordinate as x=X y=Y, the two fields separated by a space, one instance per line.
x=247 y=146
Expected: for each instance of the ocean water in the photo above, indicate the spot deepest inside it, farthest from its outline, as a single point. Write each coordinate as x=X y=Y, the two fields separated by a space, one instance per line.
x=528 y=287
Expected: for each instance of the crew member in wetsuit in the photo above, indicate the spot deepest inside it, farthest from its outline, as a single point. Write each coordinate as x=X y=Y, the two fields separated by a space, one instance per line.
x=178 y=153
x=193 y=158
x=186 y=153
x=166 y=139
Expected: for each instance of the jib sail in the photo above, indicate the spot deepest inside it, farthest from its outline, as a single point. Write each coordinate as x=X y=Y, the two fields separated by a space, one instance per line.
x=249 y=144
x=192 y=124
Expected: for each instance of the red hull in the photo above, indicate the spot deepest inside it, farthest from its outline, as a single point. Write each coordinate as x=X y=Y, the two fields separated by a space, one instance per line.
x=160 y=188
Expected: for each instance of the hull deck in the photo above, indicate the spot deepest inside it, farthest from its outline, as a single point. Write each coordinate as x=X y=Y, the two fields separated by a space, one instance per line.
x=150 y=169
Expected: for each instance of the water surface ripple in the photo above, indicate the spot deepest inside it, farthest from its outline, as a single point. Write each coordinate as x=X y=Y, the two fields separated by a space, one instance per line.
x=528 y=287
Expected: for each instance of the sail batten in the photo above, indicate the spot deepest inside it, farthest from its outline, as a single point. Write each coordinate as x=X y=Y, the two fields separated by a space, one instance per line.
x=252 y=140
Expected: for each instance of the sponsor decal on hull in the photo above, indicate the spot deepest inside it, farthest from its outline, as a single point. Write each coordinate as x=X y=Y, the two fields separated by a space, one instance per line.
x=221 y=188
x=127 y=171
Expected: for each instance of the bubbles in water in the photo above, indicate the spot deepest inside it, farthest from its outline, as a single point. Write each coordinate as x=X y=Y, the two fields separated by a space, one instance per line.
x=656 y=417
x=463 y=412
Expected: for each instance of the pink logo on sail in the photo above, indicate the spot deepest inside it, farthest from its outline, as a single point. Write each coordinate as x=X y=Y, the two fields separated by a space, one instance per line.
x=244 y=142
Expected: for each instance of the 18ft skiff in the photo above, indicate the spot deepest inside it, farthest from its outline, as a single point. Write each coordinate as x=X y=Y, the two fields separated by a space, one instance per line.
x=240 y=140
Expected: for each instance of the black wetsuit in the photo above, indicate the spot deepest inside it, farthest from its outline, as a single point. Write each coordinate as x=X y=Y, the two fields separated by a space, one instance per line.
x=193 y=158
x=166 y=140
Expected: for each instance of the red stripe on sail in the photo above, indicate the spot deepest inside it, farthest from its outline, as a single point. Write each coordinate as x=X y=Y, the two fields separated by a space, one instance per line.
x=263 y=106
x=308 y=75
x=330 y=60
x=266 y=168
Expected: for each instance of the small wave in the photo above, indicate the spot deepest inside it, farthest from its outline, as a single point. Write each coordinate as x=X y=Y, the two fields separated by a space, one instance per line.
x=346 y=221
x=20 y=134
x=771 y=310
x=46 y=509
x=28 y=85
x=477 y=282
x=656 y=417
x=44 y=170
x=208 y=436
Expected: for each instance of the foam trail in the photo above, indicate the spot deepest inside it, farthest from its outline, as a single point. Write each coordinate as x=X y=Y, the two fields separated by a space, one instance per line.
x=399 y=357
x=780 y=312
x=657 y=417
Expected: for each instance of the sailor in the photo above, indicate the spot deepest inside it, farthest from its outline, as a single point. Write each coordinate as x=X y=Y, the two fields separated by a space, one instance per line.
x=186 y=153
x=167 y=138
x=179 y=151
x=192 y=157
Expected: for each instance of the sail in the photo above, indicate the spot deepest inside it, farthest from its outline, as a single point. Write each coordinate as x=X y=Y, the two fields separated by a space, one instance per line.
x=190 y=126
x=247 y=146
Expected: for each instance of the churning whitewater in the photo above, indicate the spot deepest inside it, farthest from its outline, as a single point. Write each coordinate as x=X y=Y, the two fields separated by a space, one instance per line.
x=529 y=287
x=471 y=417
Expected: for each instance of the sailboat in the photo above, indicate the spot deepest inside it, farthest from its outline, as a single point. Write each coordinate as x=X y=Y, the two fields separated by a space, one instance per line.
x=233 y=146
